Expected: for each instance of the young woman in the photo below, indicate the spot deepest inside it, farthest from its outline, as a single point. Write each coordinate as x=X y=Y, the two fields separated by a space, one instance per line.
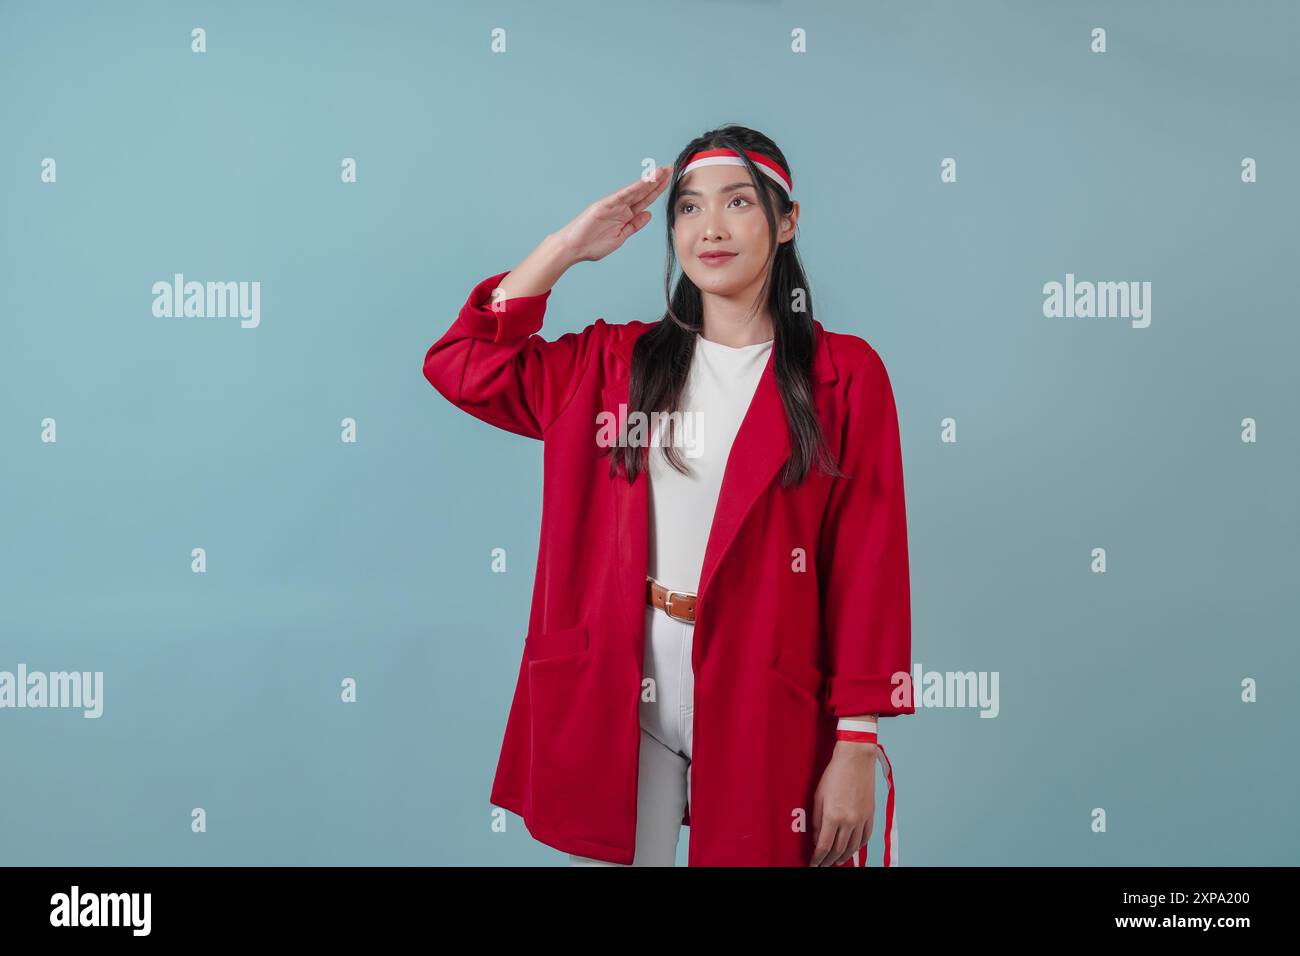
x=721 y=609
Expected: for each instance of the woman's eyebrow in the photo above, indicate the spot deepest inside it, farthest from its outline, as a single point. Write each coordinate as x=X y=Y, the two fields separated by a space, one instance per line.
x=730 y=187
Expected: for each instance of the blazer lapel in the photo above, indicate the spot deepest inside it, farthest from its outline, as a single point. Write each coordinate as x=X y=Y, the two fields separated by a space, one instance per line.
x=757 y=456
x=760 y=449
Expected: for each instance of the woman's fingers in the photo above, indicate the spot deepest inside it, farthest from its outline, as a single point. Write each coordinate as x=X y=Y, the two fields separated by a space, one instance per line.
x=841 y=843
x=633 y=225
x=831 y=839
x=604 y=225
x=640 y=192
x=854 y=844
x=659 y=182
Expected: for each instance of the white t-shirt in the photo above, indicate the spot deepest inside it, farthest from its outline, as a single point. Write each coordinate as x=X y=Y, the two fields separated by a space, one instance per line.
x=719 y=388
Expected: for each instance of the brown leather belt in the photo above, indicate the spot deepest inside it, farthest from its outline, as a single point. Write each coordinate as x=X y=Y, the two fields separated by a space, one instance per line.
x=679 y=605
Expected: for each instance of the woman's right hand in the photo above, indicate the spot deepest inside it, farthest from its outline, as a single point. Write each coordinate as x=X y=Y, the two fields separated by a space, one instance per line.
x=606 y=224
x=596 y=232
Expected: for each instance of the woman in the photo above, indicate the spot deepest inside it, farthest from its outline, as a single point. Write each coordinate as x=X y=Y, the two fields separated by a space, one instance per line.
x=713 y=632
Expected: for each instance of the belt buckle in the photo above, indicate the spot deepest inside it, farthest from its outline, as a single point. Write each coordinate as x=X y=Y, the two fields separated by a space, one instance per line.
x=668 y=605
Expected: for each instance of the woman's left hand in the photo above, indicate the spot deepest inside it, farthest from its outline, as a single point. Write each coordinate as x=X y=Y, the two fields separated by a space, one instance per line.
x=844 y=803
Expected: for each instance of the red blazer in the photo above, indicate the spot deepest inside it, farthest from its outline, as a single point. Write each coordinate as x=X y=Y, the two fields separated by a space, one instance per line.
x=803 y=612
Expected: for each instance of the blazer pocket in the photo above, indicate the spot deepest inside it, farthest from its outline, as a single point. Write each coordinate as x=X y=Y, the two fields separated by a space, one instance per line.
x=557 y=643
x=799 y=672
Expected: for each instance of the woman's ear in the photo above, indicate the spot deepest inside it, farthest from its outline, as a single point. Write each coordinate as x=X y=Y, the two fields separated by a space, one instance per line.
x=785 y=229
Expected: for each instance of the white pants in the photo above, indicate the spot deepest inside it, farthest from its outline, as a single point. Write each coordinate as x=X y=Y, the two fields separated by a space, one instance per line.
x=664 y=768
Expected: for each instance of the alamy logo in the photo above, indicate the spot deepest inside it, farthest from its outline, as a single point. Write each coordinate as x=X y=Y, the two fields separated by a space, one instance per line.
x=102 y=909
x=977 y=689
x=56 y=689
x=1102 y=300
x=679 y=429
x=210 y=300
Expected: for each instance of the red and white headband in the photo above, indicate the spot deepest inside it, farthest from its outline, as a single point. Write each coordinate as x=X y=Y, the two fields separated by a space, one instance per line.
x=729 y=157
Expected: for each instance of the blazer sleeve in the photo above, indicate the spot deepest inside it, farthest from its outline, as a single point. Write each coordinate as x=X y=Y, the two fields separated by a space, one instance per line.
x=493 y=365
x=862 y=554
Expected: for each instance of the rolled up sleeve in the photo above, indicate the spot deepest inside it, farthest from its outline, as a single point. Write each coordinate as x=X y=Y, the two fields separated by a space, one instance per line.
x=492 y=363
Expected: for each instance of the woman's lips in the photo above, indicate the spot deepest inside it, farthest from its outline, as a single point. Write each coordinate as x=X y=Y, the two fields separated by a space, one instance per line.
x=717 y=258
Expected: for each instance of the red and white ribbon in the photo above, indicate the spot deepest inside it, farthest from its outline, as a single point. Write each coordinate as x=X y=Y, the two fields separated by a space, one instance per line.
x=729 y=157
x=861 y=729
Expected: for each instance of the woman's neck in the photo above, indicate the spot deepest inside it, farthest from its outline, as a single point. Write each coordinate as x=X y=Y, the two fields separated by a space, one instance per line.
x=730 y=321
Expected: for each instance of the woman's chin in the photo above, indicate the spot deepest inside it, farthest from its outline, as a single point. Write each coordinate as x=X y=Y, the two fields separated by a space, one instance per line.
x=712 y=282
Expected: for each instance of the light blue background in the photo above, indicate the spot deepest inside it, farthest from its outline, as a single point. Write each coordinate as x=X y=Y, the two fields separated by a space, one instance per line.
x=372 y=560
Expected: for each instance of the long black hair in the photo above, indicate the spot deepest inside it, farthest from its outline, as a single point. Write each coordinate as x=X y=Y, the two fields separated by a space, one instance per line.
x=661 y=358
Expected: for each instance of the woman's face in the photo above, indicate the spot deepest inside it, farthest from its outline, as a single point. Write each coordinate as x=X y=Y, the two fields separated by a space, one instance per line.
x=718 y=211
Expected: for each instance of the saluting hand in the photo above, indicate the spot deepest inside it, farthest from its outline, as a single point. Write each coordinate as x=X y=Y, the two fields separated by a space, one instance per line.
x=604 y=225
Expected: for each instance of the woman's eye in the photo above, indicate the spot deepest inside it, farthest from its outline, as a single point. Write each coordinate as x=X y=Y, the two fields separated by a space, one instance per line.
x=684 y=206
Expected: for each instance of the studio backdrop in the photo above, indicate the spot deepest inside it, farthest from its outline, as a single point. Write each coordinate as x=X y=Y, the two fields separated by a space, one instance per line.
x=264 y=590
